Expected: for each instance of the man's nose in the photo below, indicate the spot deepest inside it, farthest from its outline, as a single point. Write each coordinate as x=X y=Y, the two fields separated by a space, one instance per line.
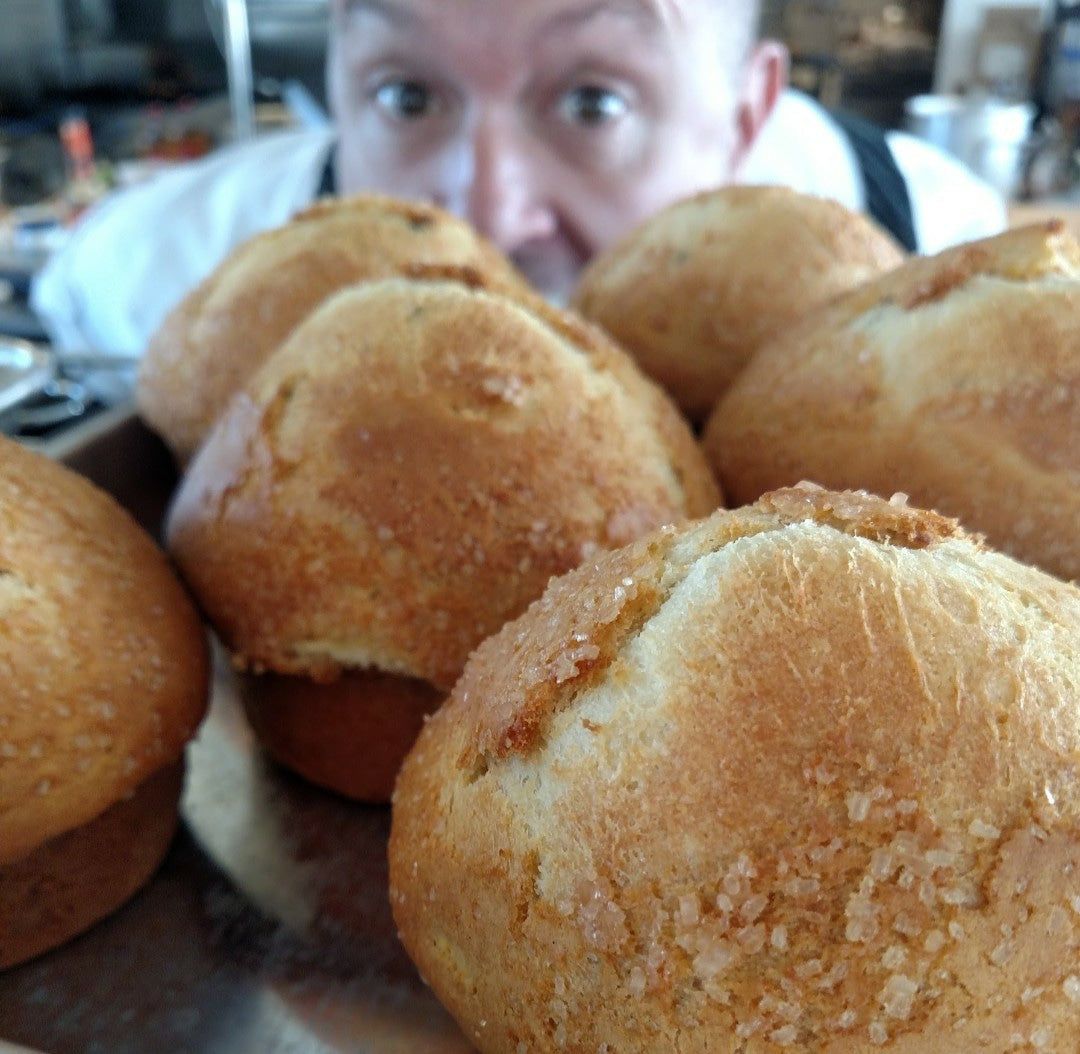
x=504 y=196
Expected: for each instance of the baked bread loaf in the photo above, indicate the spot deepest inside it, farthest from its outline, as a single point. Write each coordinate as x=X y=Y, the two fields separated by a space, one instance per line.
x=220 y=332
x=695 y=290
x=955 y=379
x=105 y=678
x=801 y=775
x=401 y=476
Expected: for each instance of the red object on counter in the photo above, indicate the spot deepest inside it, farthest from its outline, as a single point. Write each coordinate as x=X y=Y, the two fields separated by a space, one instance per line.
x=78 y=147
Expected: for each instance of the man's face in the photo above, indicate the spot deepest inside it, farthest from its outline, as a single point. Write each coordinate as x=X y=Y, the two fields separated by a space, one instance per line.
x=552 y=125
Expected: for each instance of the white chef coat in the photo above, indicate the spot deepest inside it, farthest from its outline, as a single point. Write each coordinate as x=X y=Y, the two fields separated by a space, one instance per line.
x=138 y=251
x=801 y=147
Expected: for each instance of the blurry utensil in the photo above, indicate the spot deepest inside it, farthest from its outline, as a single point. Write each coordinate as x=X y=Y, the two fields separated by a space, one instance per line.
x=25 y=368
x=989 y=135
x=58 y=402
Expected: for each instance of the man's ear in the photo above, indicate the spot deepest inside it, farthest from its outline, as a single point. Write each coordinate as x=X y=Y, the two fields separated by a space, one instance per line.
x=765 y=76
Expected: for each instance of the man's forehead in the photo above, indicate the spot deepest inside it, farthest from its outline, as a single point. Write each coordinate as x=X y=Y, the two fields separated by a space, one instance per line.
x=649 y=14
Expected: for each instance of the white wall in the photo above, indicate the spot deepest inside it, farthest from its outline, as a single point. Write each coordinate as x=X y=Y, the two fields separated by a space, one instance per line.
x=960 y=24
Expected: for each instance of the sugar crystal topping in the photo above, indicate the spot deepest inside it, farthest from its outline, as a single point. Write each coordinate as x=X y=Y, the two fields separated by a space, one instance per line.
x=901 y=889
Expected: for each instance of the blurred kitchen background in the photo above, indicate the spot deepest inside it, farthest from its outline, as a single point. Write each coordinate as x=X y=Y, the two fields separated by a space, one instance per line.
x=148 y=82
x=152 y=81
x=99 y=93
x=997 y=83
x=95 y=93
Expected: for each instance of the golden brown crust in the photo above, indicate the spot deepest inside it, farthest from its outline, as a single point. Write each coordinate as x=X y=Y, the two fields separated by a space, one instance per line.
x=694 y=291
x=215 y=338
x=103 y=655
x=955 y=379
x=64 y=886
x=583 y=608
x=801 y=775
x=348 y=735
x=390 y=500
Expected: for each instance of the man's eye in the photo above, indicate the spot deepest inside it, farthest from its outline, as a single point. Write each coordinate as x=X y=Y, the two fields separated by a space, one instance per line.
x=407 y=100
x=591 y=105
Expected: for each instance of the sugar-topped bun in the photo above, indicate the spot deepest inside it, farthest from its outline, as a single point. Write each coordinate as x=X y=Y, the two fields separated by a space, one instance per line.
x=220 y=332
x=802 y=775
x=695 y=290
x=955 y=379
x=104 y=680
x=404 y=474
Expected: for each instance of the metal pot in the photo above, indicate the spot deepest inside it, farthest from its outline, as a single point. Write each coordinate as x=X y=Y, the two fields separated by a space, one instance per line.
x=990 y=135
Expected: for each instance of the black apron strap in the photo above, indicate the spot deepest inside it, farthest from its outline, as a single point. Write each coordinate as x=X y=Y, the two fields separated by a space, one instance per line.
x=887 y=198
x=327 y=181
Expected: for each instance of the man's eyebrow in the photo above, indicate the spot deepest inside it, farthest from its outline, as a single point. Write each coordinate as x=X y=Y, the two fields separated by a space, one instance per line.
x=386 y=9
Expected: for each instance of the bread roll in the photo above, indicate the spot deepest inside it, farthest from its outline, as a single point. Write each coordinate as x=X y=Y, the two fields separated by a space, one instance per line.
x=955 y=379
x=399 y=478
x=801 y=775
x=105 y=678
x=220 y=332
x=694 y=291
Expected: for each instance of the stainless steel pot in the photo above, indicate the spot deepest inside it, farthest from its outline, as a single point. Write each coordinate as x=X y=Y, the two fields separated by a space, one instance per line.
x=991 y=136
